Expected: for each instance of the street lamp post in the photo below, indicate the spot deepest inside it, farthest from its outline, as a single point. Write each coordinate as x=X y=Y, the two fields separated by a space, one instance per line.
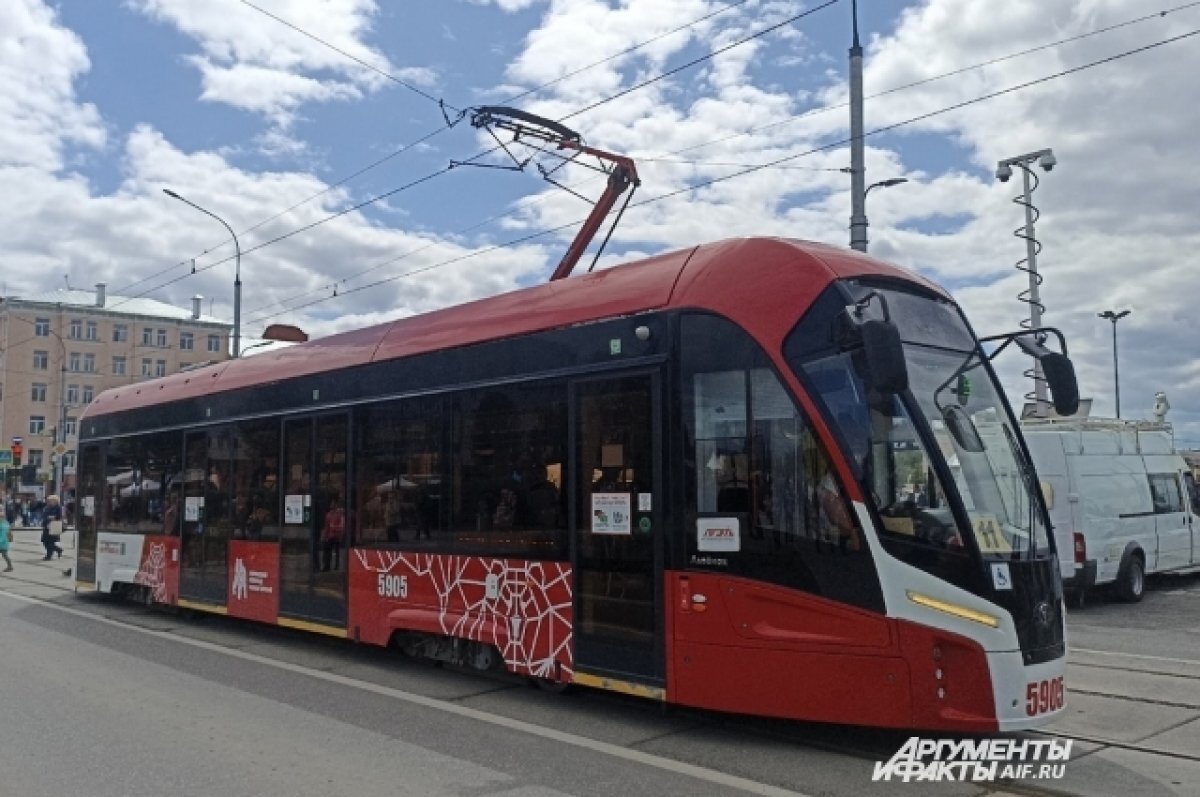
x=237 y=279
x=858 y=171
x=1114 y=317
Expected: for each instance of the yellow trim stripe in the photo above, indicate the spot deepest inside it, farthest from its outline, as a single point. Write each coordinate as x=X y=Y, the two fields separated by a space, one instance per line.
x=316 y=628
x=212 y=608
x=617 y=685
x=954 y=609
x=85 y=586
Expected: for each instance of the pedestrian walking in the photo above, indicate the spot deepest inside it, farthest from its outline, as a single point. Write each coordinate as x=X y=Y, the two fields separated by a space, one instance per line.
x=6 y=537
x=52 y=527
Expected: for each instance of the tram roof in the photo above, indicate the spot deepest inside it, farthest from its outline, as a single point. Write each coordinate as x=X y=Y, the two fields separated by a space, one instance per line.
x=726 y=277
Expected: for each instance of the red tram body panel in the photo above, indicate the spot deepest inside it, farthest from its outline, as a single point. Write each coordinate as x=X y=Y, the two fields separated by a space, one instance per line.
x=651 y=522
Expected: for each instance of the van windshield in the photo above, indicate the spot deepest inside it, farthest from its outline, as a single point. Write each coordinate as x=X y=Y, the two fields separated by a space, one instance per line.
x=949 y=426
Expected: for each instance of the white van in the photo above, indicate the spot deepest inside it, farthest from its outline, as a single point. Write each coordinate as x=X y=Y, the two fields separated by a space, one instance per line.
x=1123 y=502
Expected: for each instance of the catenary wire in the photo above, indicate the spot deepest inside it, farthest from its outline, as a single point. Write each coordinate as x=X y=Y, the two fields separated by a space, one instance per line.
x=440 y=172
x=406 y=147
x=759 y=167
x=1157 y=15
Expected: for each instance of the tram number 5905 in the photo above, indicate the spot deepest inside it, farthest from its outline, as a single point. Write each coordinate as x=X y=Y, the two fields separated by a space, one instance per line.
x=1043 y=696
x=393 y=586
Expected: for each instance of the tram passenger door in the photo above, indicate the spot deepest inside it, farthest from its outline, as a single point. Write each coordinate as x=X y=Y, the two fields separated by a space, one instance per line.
x=617 y=527
x=205 y=543
x=312 y=566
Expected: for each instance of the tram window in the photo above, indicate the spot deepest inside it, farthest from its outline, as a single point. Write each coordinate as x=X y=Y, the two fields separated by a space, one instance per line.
x=399 y=477
x=917 y=525
x=138 y=477
x=752 y=456
x=256 y=480
x=89 y=508
x=506 y=475
x=218 y=482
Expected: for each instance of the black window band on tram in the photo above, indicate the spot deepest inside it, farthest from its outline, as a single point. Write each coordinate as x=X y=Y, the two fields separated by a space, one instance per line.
x=956 y=508
x=750 y=454
x=905 y=485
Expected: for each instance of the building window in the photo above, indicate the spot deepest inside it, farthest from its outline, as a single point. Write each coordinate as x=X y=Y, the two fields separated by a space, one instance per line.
x=41 y=327
x=147 y=336
x=160 y=339
x=36 y=458
x=37 y=425
x=160 y=368
x=39 y=391
x=41 y=360
x=72 y=427
x=76 y=328
x=184 y=366
x=118 y=366
x=147 y=366
x=69 y=461
x=89 y=393
x=214 y=342
x=120 y=333
x=73 y=361
x=93 y=331
x=72 y=394
x=89 y=363
x=187 y=341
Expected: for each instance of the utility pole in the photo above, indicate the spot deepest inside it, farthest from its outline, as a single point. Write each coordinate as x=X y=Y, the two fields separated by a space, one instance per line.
x=858 y=175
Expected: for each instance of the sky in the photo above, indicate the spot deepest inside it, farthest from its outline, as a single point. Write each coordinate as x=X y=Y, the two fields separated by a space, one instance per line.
x=323 y=133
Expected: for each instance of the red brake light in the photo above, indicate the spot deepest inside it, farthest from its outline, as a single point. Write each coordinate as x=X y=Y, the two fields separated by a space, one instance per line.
x=1080 y=549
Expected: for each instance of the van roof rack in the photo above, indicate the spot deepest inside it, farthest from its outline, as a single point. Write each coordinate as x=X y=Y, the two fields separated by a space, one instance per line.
x=1113 y=424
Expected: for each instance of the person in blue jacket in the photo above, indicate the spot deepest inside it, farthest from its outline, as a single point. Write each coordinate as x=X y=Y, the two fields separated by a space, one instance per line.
x=53 y=512
x=5 y=530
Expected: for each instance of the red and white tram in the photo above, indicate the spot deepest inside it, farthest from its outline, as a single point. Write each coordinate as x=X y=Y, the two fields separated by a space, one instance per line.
x=759 y=476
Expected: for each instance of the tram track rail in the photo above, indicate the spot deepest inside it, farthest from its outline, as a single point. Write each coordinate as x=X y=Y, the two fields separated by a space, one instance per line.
x=865 y=744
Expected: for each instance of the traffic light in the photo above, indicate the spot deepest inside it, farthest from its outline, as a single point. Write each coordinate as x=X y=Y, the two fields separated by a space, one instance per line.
x=17 y=450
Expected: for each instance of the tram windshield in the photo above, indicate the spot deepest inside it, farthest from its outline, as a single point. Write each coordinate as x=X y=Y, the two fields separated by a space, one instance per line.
x=941 y=460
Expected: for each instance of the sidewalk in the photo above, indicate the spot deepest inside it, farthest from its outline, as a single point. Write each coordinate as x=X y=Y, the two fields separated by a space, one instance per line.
x=29 y=565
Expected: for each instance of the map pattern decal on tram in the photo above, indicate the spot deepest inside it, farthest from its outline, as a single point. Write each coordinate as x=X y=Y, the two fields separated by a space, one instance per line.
x=523 y=608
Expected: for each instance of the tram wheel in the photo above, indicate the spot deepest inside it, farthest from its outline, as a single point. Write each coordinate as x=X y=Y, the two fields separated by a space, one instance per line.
x=547 y=685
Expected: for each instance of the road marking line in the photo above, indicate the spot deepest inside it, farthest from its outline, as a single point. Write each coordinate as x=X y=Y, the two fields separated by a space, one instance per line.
x=563 y=737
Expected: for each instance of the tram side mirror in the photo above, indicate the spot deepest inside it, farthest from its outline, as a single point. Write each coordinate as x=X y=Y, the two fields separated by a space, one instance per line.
x=1064 y=387
x=962 y=428
x=1059 y=372
x=887 y=370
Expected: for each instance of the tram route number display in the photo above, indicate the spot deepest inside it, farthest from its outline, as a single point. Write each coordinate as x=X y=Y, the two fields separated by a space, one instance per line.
x=1043 y=696
x=392 y=586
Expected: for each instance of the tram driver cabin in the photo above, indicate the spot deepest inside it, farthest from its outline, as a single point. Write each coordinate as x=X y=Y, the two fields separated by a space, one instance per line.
x=687 y=478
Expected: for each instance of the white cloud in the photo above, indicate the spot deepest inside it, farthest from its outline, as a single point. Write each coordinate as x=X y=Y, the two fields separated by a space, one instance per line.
x=39 y=115
x=252 y=61
x=1118 y=222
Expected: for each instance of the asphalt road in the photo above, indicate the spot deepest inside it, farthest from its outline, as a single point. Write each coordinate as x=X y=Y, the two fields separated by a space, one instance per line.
x=100 y=697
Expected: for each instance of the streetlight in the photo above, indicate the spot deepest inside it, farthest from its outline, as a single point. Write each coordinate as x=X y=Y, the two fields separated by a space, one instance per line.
x=237 y=279
x=858 y=238
x=1114 y=317
x=1044 y=158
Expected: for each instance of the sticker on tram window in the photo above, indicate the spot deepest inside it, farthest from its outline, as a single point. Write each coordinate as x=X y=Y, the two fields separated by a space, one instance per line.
x=718 y=534
x=611 y=513
x=990 y=535
x=1001 y=577
x=1044 y=696
x=89 y=506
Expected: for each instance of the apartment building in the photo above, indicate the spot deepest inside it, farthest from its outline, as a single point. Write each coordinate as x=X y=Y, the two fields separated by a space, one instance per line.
x=61 y=349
